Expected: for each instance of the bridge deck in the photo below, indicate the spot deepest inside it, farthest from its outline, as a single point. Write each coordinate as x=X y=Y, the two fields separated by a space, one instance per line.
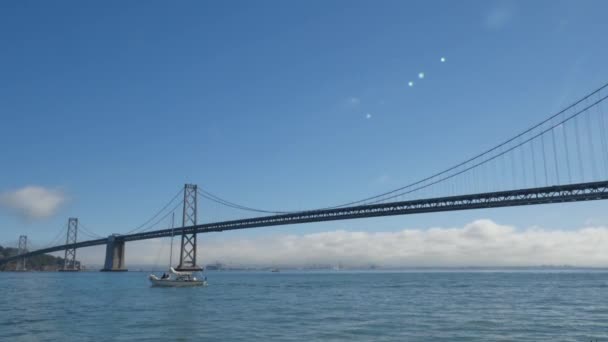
x=543 y=195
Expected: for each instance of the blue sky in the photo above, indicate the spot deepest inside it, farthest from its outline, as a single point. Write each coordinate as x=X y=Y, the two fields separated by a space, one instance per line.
x=115 y=105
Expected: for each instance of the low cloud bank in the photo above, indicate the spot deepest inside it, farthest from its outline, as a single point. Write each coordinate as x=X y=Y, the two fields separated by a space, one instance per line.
x=32 y=202
x=480 y=243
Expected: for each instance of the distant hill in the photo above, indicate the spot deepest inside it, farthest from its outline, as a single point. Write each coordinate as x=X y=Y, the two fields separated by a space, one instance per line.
x=42 y=262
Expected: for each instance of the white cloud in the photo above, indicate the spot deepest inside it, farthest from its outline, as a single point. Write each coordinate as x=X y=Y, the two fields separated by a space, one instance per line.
x=33 y=202
x=480 y=243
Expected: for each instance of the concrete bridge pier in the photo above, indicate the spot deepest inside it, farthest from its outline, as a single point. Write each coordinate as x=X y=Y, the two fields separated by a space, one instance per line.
x=115 y=255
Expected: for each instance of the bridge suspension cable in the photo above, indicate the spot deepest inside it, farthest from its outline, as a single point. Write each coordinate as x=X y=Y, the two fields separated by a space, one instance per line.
x=161 y=219
x=603 y=138
x=590 y=144
x=489 y=151
x=216 y=199
x=477 y=164
x=541 y=134
x=83 y=229
x=482 y=175
x=164 y=217
x=56 y=239
x=143 y=226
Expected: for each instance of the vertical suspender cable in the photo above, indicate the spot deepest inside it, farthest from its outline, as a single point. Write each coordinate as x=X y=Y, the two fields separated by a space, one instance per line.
x=523 y=164
x=602 y=125
x=488 y=182
x=578 y=151
x=542 y=140
x=555 y=157
x=565 y=135
x=171 y=248
x=513 y=168
x=590 y=141
x=533 y=163
x=497 y=174
x=467 y=184
x=503 y=170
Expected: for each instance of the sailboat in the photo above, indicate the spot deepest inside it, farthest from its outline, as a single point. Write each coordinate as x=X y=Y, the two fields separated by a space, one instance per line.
x=175 y=278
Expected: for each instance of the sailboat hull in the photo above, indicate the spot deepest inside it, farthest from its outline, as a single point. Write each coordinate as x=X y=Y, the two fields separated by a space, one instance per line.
x=175 y=282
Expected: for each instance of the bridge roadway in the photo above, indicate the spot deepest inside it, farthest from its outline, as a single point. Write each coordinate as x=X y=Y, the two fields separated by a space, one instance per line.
x=532 y=196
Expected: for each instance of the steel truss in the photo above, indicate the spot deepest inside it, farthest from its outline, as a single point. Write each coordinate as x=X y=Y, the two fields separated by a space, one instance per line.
x=544 y=195
x=187 y=256
x=21 y=252
x=69 y=261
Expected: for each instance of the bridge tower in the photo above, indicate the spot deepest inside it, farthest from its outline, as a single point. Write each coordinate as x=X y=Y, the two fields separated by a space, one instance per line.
x=22 y=250
x=69 y=261
x=187 y=256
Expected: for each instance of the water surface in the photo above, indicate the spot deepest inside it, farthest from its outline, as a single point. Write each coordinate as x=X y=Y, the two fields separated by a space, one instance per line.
x=304 y=306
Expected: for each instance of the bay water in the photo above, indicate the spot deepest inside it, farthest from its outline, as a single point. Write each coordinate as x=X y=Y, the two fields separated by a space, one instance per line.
x=537 y=305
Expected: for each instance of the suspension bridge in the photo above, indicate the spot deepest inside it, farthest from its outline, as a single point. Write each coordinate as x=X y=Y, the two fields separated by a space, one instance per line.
x=563 y=158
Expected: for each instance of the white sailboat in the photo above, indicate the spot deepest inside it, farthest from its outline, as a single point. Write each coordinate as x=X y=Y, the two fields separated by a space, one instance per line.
x=175 y=278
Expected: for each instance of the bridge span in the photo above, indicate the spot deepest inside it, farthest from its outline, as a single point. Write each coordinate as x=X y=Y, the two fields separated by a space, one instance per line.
x=563 y=158
x=534 y=196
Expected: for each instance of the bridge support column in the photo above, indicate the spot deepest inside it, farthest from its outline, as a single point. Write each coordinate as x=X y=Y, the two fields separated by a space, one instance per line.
x=69 y=261
x=187 y=255
x=22 y=250
x=115 y=255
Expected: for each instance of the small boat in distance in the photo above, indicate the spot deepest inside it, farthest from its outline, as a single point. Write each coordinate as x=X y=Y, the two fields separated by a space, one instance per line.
x=274 y=270
x=177 y=279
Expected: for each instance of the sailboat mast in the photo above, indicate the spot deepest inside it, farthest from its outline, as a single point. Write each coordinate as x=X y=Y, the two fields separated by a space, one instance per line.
x=171 y=252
